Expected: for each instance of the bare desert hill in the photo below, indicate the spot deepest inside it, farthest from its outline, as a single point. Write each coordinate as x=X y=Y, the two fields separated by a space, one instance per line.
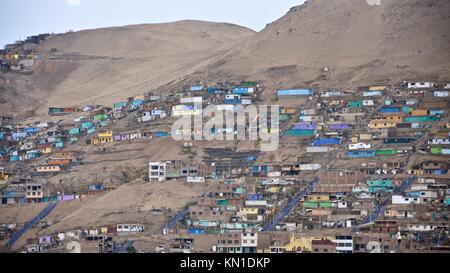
x=358 y=43
x=110 y=64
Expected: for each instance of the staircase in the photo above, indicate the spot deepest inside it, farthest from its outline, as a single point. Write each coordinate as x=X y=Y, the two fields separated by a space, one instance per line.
x=17 y=235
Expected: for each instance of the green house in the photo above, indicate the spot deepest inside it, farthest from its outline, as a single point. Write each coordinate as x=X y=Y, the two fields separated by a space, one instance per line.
x=380 y=183
x=284 y=117
x=74 y=131
x=407 y=110
x=100 y=117
x=355 y=104
x=447 y=201
x=316 y=205
x=222 y=202
x=436 y=150
x=248 y=84
x=299 y=133
x=120 y=105
x=420 y=119
x=380 y=186
x=386 y=152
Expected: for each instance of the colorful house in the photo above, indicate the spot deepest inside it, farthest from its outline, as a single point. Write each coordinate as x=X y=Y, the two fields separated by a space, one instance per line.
x=380 y=185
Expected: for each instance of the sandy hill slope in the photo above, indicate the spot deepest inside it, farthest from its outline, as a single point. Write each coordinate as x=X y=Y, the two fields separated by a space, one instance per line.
x=358 y=43
x=110 y=64
x=401 y=39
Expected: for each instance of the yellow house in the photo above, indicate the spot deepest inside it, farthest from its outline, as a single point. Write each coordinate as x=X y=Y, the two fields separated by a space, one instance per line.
x=378 y=88
x=3 y=175
x=382 y=125
x=248 y=211
x=318 y=198
x=274 y=189
x=302 y=244
x=139 y=97
x=105 y=134
x=46 y=150
x=104 y=230
x=103 y=138
x=394 y=118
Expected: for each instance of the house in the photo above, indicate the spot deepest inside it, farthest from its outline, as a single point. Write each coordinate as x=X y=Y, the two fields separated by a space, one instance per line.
x=294 y=92
x=181 y=245
x=368 y=103
x=359 y=146
x=441 y=94
x=157 y=171
x=439 y=141
x=59 y=162
x=344 y=243
x=323 y=246
x=186 y=110
x=129 y=229
x=338 y=181
x=301 y=245
x=103 y=138
x=419 y=85
x=48 y=169
x=381 y=125
x=372 y=93
x=237 y=242
x=46 y=149
x=34 y=192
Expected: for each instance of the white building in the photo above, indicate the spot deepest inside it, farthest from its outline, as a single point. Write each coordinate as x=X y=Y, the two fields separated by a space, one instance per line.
x=344 y=244
x=420 y=227
x=191 y=100
x=372 y=94
x=400 y=200
x=447 y=86
x=157 y=171
x=310 y=167
x=439 y=141
x=419 y=85
x=249 y=239
x=359 y=146
x=130 y=228
x=441 y=94
x=368 y=103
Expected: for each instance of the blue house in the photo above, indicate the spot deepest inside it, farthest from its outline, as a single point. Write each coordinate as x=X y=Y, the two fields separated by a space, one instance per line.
x=32 y=130
x=242 y=90
x=361 y=154
x=390 y=109
x=18 y=136
x=74 y=131
x=87 y=125
x=295 y=92
x=33 y=154
x=196 y=88
x=326 y=141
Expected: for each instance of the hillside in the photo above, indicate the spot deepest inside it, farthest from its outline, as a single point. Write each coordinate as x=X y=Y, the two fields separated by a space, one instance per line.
x=106 y=65
x=358 y=43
